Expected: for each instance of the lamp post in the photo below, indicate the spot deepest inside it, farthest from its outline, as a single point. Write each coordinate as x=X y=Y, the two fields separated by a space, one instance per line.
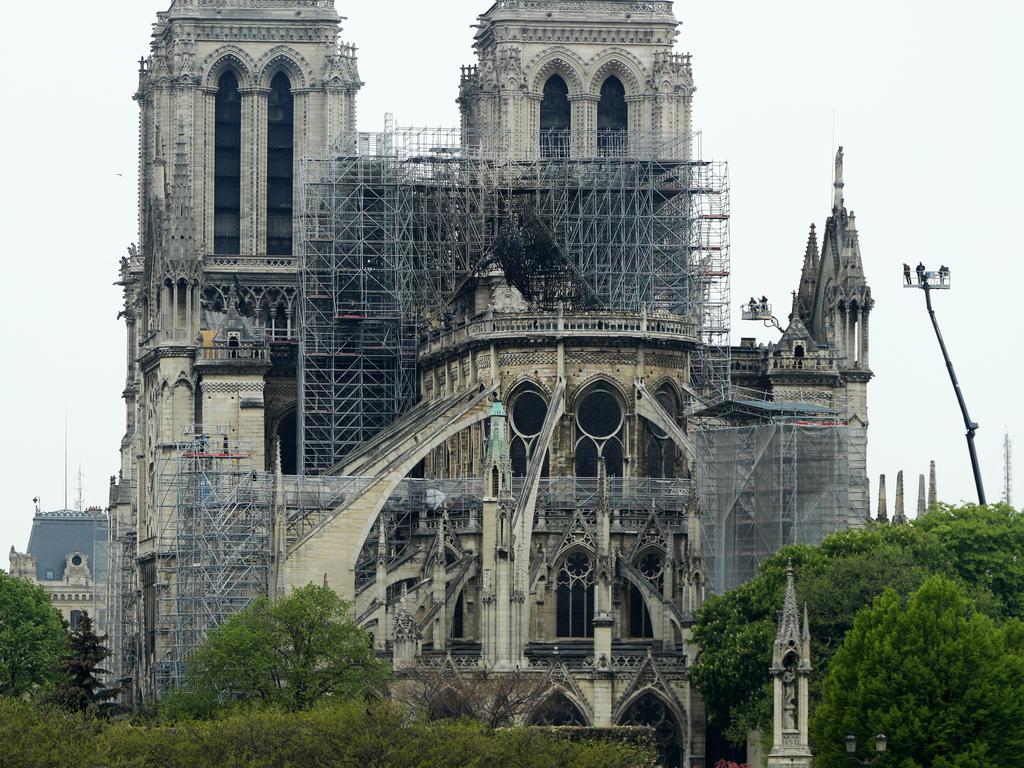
x=851 y=749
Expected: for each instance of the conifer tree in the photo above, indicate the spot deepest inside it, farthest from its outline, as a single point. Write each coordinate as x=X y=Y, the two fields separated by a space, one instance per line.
x=81 y=688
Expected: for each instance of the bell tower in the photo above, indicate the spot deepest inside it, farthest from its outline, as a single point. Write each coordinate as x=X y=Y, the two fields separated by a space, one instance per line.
x=232 y=95
x=554 y=79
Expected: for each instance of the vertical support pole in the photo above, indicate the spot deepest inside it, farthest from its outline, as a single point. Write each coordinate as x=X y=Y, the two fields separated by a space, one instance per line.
x=972 y=426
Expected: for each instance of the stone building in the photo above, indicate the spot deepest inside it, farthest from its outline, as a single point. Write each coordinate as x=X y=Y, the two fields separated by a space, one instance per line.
x=460 y=377
x=67 y=556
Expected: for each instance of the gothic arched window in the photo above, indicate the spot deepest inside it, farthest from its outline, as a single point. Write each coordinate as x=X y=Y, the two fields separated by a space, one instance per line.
x=658 y=447
x=650 y=711
x=528 y=410
x=574 y=596
x=652 y=566
x=280 y=165
x=612 y=118
x=557 y=710
x=599 y=426
x=227 y=166
x=555 y=118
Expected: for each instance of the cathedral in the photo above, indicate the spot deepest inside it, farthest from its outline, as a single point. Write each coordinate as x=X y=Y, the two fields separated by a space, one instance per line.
x=478 y=381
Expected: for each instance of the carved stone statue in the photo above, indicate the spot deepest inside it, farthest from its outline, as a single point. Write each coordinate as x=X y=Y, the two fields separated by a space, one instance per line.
x=789 y=705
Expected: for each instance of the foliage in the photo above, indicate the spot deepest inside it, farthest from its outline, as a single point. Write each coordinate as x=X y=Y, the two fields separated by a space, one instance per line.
x=291 y=654
x=32 y=637
x=944 y=682
x=81 y=689
x=979 y=547
x=350 y=734
x=984 y=547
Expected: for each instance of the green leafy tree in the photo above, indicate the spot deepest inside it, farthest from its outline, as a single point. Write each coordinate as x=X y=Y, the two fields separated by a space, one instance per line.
x=292 y=654
x=32 y=637
x=984 y=548
x=735 y=631
x=81 y=689
x=979 y=547
x=943 y=681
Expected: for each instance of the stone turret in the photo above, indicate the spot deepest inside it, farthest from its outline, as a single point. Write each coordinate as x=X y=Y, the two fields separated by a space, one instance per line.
x=791 y=670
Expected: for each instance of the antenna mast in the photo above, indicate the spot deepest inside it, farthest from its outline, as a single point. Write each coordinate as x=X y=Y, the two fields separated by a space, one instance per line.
x=1007 y=469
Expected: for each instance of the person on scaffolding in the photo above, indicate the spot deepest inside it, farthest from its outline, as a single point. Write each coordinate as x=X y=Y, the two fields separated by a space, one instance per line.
x=906 y=274
x=943 y=275
x=921 y=279
x=753 y=305
x=764 y=304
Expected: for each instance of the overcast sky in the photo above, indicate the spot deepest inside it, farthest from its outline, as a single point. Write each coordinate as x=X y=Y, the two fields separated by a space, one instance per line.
x=924 y=95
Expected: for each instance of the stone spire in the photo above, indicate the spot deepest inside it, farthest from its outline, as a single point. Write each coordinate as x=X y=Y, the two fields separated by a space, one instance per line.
x=181 y=228
x=808 y=277
x=837 y=183
x=405 y=625
x=883 y=511
x=921 y=508
x=499 y=460
x=899 y=516
x=789 y=624
x=933 y=498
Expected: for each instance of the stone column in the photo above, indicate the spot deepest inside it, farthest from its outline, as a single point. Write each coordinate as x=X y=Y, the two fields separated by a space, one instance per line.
x=203 y=175
x=921 y=508
x=254 y=170
x=932 y=491
x=899 y=517
x=883 y=512
x=583 y=139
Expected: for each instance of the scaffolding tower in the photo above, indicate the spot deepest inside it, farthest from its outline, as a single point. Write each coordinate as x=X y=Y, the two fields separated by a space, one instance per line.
x=767 y=486
x=218 y=560
x=394 y=224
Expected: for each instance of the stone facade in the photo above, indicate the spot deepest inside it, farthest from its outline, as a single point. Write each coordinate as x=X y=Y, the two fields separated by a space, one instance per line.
x=533 y=511
x=211 y=318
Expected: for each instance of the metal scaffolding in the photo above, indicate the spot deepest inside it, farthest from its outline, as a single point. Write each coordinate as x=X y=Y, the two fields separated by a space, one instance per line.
x=395 y=223
x=764 y=487
x=218 y=559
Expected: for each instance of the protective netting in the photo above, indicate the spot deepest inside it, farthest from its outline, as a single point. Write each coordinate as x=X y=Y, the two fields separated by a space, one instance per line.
x=764 y=487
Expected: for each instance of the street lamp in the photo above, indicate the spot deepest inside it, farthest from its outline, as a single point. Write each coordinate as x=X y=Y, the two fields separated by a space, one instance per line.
x=851 y=747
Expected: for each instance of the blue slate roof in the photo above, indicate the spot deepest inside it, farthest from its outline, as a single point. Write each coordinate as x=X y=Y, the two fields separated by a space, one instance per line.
x=57 y=534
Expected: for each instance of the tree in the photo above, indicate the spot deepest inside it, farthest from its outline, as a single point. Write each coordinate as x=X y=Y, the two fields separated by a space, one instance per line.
x=81 y=689
x=944 y=683
x=978 y=547
x=32 y=637
x=494 y=700
x=292 y=654
x=735 y=631
x=983 y=547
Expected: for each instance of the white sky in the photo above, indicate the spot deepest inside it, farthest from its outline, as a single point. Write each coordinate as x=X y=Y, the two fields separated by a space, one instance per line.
x=925 y=96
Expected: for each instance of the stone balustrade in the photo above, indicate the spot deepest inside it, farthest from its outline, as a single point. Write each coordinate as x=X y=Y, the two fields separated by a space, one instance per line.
x=554 y=325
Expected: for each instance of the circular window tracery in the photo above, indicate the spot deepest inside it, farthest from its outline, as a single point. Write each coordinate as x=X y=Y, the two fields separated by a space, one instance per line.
x=652 y=567
x=599 y=424
x=528 y=410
